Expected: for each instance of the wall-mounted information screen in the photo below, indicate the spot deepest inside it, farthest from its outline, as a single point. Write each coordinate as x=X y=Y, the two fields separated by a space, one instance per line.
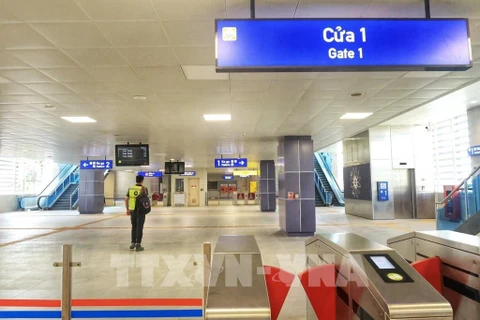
x=132 y=155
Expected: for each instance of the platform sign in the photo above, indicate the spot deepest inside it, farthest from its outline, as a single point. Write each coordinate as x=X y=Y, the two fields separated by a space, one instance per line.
x=228 y=177
x=96 y=164
x=189 y=174
x=259 y=45
x=231 y=163
x=151 y=174
x=474 y=151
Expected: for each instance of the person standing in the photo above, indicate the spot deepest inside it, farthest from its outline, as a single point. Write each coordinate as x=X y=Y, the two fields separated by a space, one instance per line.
x=137 y=219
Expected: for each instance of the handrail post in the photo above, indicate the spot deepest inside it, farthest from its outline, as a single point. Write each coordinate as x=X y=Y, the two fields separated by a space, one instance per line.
x=207 y=260
x=67 y=265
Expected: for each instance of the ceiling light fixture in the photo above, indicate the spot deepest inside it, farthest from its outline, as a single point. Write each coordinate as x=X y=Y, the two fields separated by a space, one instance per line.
x=139 y=97
x=356 y=94
x=49 y=106
x=217 y=117
x=474 y=101
x=79 y=119
x=356 y=116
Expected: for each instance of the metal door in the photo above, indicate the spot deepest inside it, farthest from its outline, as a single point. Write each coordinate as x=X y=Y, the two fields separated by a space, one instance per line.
x=403 y=193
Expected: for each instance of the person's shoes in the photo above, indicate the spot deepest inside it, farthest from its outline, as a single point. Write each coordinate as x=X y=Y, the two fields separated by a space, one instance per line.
x=133 y=246
x=139 y=247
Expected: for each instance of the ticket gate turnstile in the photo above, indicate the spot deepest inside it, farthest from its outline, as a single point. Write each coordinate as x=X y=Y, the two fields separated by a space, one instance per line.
x=460 y=267
x=373 y=282
x=225 y=298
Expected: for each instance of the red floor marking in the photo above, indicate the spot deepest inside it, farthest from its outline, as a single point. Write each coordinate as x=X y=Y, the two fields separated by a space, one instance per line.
x=30 y=303
x=167 y=302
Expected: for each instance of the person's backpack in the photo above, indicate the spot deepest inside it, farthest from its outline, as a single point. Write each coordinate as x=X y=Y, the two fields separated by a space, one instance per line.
x=142 y=204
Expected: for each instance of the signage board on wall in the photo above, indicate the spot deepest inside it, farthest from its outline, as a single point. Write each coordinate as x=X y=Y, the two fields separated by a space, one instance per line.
x=96 y=164
x=151 y=174
x=228 y=177
x=189 y=174
x=357 y=182
x=260 y=45
x=245 y=173
x=231 y=163
x=474 y=151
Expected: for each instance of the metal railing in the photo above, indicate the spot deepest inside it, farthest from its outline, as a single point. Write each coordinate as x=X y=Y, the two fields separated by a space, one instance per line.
x=463 y=184
x=74 y=196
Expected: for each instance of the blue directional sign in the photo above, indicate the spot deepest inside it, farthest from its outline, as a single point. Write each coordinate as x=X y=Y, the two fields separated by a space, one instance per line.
x=189 y=174
x=151 y=174
x=96 y=164
x=259 y=45
x=231 y=163
x=474 y=151
x=228 y=177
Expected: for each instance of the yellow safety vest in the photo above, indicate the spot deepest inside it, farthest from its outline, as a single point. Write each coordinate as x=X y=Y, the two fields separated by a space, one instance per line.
x=133 y=193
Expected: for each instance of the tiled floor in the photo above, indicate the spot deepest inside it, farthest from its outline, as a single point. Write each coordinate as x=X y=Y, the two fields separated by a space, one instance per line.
x=171 y=264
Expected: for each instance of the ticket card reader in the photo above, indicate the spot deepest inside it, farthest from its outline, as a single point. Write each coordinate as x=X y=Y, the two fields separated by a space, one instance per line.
x=387 y=269
x=373 y=281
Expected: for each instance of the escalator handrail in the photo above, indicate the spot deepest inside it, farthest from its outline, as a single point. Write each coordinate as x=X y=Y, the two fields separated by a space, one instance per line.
x=39 y=200
x=69 y=176
x=335 y=189
x=460 y=185
x=330 y=172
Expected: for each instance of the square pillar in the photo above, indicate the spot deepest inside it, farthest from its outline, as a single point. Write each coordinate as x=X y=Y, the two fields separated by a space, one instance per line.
x=268 y=199
x=296 y=186
x=91 y=192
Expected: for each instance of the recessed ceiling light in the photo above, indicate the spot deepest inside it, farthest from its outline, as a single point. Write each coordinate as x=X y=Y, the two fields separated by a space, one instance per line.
x=357 y=94
x=50 y=107
x=217 y=117
x=355 y=116
x=474 y=101
x=139 y=97
x=79 y=119
x=188 y=166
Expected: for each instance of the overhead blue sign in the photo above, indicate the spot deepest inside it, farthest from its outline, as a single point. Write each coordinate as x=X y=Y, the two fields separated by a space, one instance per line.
x=474 y=151
x=229 y=177
x=342 y=44
x=231 y=163
x=189 y=174
x=151 y=174
x=96 y=164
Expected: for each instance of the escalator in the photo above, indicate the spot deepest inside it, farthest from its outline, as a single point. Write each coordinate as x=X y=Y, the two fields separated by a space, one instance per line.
x=60 y=194
x=327 y=191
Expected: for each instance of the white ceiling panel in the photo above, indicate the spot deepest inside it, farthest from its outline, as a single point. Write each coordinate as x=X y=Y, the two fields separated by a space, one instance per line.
x=395 y=9
x=190 y=33
x=149 y=57
x=44 y=58
x=196 y=55
x=98 y=57
x=114 y=74
x=45 y=10
x=126 y=10
x=21 y=36
x=134 y=33
x=329 y=9
x=93 y=56
x=48 y=88
x=25 y=75
x=73 y=35
x=190 y=10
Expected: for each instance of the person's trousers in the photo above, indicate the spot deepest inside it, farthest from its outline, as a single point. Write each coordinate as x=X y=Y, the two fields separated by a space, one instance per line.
x=138 y=220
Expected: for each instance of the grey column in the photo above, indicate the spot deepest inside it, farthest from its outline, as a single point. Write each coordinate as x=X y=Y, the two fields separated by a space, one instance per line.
x=296 y=186
x=91 y=192
x=267 y=186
